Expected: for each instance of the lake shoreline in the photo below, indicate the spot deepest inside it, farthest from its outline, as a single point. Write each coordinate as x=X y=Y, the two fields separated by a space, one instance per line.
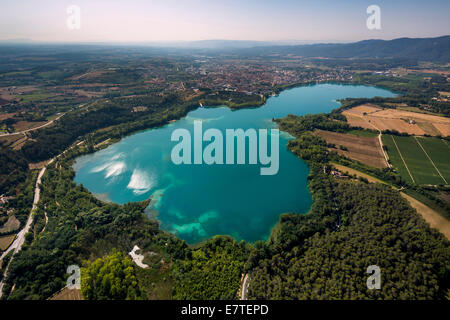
x=302 y=211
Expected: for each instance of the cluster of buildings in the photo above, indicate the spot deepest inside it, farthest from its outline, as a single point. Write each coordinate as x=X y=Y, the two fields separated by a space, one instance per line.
x=388 y=73
x=254 y=77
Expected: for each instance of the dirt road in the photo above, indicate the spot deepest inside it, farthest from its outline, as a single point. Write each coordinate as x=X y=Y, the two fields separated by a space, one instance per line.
x=32 y=129
x=20 y=239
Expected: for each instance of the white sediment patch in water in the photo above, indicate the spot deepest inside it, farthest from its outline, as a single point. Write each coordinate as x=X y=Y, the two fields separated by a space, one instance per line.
x=175 y=212
x=141 y=182
x=286 y=135
x=115 y=169
x=195 y=227
x=102 y=196
x=118 y=156
x=156 y=196
x=189 y=228
x=100 y=168
x=112 y=169
x=208 y=216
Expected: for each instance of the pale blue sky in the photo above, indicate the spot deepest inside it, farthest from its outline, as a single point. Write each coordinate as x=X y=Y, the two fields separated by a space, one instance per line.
x=169 y=20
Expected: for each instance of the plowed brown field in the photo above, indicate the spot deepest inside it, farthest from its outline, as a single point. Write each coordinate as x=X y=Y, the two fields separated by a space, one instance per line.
x=364 y=149
x=373 y=117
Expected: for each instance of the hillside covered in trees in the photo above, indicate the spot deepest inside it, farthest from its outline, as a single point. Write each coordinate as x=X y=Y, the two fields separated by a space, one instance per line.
x=351 y=226
x=323 y=254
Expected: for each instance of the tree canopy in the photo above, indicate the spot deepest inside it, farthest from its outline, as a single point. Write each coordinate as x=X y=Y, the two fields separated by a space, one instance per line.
x=110 y=277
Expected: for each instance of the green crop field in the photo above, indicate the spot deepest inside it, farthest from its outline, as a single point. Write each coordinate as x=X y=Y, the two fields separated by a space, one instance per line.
x=395 y=158
x=35 y=96
x=419 y=165
x=439 y=152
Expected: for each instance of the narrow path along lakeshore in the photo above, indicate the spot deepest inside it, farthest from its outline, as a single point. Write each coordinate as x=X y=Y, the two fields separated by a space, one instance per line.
x=20 y=238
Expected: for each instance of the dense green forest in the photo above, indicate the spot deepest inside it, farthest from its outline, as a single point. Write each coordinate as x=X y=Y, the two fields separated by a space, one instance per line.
x=351 y=225
x=13 y=169
x=110 y=277
x=212 y=271
x=117 y=113
x=79 y=232
x=375 y=227
x=321 y=255
x=79 y=229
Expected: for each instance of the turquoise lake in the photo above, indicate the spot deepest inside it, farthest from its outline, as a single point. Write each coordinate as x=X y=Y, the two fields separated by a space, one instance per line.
x=196 y=202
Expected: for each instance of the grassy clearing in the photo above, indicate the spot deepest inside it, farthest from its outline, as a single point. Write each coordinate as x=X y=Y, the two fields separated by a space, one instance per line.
x=429 y=128
x=432 y=217
x=35 y=96
x=351 y=171
x=364 y=133
x=11 y=224
x=415 y=109
x=428 y=202
x=15 y=73
x=6 y=241
x=158 y=281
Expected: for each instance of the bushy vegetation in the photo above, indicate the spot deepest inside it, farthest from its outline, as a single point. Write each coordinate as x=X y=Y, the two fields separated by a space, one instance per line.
x=79 y=228
x=117 y=114
x=375 y=227
x=351 y=225
x=211 y=271
x=13 y=169
x=110 y=278
x=321 y=255
x=296 y=125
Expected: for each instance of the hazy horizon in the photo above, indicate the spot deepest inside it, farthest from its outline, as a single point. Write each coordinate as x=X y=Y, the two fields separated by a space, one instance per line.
x=138 y=21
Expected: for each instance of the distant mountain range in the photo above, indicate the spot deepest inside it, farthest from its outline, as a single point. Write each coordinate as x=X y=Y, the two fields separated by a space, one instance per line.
x=426 y=49
x=235 y=44
x=421 y=49
x=200 y=44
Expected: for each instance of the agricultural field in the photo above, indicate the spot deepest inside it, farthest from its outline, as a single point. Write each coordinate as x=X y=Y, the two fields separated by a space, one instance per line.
x=35 y=96
x=373 y=117
x=365 y=149
x=439 y=152
x=420 y=160
x=25 y=125
x=364 y=133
